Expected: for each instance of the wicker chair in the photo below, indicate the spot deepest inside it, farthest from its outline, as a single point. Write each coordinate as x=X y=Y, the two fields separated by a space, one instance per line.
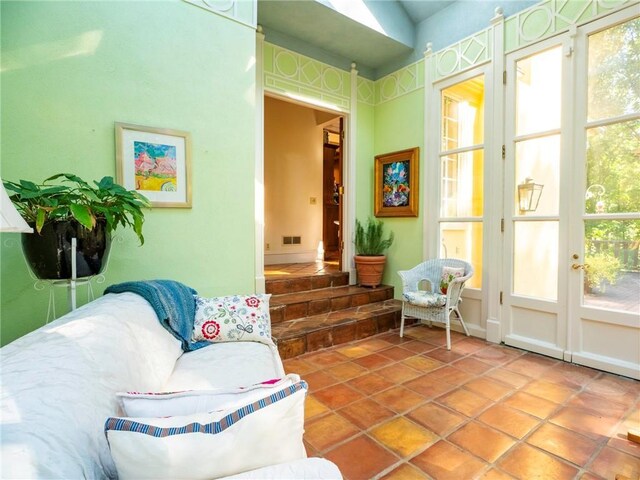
x=433 y=305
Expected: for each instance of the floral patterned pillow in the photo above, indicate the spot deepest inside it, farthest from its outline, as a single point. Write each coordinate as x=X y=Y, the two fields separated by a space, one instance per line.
x=243 y=318
x=448 y=274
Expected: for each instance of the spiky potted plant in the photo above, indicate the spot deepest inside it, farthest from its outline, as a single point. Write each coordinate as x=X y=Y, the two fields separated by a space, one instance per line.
x=370 y=245
x=65 y=206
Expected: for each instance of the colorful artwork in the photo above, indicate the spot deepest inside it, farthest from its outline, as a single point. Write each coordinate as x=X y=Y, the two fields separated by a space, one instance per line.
x=155 y=167
x=395 y=184
x=156 y=162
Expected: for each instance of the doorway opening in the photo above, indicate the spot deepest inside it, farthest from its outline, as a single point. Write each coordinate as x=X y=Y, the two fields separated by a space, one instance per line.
x=303 y=175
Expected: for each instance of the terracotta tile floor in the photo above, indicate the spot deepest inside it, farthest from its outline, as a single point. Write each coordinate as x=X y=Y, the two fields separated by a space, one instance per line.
x=392 y=408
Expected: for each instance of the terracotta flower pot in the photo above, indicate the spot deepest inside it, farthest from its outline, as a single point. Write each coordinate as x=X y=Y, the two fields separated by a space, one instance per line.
x=370 y=269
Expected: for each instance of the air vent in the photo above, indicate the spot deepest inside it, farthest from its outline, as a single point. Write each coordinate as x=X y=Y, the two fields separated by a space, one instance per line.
x=292 y=240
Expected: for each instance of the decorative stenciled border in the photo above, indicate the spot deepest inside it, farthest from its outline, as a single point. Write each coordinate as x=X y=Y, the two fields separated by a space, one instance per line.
x=290 y=72
x=366 y=91
x=467 y=53
x=244 y=12
x=552 y=16
x=399 y=83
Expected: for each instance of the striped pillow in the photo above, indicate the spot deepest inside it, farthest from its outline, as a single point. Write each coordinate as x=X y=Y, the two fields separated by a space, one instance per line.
x=169 y=404
x=210 y=445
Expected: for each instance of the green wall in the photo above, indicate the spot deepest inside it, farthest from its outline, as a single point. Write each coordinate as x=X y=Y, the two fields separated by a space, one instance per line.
x=364 y=160
x=72 y=69
x=398 y=125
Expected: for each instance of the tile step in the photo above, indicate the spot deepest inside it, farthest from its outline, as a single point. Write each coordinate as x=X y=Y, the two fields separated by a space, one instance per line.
x=290 y=306
x=278 y=286
x=298 y=336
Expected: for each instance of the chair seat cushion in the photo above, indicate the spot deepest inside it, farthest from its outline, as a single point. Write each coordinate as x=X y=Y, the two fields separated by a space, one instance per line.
x=425 y=299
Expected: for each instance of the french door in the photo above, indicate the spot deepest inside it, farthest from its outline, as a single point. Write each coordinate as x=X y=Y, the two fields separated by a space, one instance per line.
x=572 y=196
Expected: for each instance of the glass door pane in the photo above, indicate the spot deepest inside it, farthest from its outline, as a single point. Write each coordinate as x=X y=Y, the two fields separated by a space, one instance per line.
x=538 y=92
x=538 y=159
x=535 y=263
x=614 y=66
x=611 y=278
x=462 y=184
x=462 y=174
x=537 y=163
x=463 y=240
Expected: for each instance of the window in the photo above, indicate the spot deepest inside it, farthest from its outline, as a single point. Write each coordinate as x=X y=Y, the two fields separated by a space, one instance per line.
x=462 y=174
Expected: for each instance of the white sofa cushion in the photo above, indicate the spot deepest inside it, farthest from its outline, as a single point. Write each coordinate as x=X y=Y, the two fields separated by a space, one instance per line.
x=58 y=385
x=211 y=445
x=308 y=469
x=224 y=365
x=188 y=402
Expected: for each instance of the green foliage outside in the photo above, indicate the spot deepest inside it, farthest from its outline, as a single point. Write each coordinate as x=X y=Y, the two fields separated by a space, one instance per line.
x=603 y=269
x=613 y=151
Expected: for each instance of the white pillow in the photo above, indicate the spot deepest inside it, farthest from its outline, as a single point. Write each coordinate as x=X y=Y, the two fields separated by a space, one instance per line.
x=234 y=318
x=188 y=402
x=211 y=445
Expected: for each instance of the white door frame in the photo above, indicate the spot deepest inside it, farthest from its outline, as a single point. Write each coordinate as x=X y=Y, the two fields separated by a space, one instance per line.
x=349 y=167
x=557 y=308
x=585 y=320
x=595 y=348
x=432 y=171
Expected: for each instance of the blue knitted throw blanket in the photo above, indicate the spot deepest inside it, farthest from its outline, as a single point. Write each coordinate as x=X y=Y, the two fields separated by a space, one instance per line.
x=173 y=303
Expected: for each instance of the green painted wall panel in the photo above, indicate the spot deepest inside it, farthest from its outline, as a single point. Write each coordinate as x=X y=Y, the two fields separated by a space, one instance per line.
x=399 y=124
x=72 y=69
x=364 y=160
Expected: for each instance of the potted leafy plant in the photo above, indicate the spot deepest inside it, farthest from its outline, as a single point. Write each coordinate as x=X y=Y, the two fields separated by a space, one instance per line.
x=370 y=247
x=65 y=206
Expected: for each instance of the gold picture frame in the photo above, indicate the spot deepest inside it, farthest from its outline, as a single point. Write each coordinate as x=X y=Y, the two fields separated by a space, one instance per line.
x=155 y=162
x=396 y=188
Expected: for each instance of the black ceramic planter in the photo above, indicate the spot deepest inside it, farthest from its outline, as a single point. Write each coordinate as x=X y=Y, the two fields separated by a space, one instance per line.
x=49 y=253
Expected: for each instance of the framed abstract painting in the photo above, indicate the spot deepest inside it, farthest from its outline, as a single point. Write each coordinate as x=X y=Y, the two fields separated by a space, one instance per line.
x=396 y=184
x=155 y=162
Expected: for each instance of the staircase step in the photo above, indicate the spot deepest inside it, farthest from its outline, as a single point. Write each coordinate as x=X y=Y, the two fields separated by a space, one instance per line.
x=278 y=286
x=298 y=336
x=290 y=306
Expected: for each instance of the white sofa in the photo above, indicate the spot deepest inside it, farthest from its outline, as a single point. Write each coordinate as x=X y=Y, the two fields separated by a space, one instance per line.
x=59 y=383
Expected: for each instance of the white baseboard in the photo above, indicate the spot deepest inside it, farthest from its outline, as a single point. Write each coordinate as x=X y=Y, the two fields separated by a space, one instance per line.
x=536 y=346
x=474 y=330
x=607 y=364
x=493 y=331
x=260 y=283
x=308 y=256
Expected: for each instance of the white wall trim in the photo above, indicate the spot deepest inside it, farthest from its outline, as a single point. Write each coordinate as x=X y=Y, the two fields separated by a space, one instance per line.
x=427 y=171
x=493 y=330
x=494 y=203
x=533 y=345
x=349 y=170
x=259 y=283
x=349 y=166
x=614 y=365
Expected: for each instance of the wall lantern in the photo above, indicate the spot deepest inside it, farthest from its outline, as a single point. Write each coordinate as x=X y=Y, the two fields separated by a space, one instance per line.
x=529 y=195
